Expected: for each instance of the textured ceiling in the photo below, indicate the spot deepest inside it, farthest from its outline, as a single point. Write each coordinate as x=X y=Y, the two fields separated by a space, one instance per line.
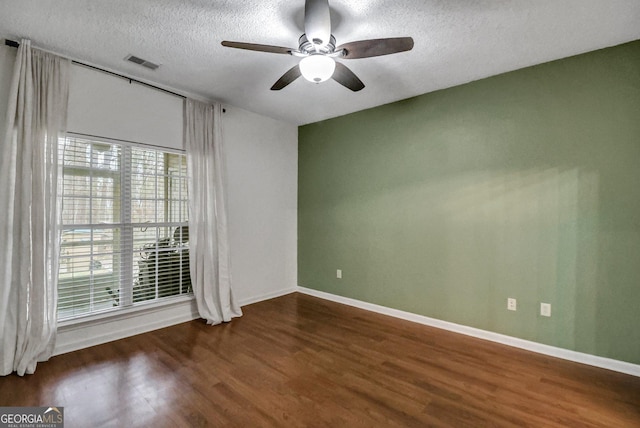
x=456 y=41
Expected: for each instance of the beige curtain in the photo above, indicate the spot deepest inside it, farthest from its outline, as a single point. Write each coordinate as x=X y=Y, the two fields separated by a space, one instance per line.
x=208 y=240
x=29 y=200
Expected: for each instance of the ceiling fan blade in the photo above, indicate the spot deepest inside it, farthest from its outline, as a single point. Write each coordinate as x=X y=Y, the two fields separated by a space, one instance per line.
x=317 y=22
x=375 y=47
x=347 y=78
x=287 y=78
x=256 y=47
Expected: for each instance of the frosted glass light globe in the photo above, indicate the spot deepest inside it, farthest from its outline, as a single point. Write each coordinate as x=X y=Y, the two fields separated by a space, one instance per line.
x=317 y=68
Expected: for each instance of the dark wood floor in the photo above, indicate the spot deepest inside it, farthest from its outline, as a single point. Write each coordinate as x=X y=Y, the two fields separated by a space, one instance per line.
x=301 y=361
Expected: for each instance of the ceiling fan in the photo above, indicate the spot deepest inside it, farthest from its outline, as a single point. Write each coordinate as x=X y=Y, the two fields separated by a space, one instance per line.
x=317 y=50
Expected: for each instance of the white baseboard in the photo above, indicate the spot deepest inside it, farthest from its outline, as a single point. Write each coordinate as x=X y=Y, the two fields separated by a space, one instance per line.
x=565 y=354
x=267 y=296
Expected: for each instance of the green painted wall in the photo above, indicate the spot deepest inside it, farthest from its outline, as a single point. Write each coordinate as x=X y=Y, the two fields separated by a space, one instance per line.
x=523 y=185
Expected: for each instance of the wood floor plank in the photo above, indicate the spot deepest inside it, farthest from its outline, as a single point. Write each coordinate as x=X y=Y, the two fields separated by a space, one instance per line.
x=299 y=361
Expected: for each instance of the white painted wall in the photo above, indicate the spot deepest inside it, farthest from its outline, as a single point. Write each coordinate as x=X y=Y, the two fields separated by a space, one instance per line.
x=261 y=160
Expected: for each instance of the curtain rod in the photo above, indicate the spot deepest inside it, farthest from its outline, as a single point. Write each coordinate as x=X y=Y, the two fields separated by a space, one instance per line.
x=14 y=44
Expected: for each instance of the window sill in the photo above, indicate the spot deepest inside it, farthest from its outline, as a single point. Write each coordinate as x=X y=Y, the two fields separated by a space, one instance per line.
x=122 y=314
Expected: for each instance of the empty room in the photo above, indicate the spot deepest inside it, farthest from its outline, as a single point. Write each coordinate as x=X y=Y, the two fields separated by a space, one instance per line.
x=319 y=213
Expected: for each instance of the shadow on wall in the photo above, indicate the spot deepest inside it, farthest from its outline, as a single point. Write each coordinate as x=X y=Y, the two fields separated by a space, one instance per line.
x=455 y=248
x=530 y=235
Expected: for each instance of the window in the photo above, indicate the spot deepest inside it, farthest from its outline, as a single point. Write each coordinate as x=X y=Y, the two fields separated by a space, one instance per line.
x=125 y=232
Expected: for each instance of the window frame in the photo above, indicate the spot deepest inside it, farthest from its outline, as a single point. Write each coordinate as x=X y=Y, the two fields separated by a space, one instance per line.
x=125 y=223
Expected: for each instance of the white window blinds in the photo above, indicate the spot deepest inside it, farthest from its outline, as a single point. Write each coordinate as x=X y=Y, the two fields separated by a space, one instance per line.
x=125 y=227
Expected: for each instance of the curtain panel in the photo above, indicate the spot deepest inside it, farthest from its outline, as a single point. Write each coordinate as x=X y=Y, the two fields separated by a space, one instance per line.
x=208 y=237
x=29 y=197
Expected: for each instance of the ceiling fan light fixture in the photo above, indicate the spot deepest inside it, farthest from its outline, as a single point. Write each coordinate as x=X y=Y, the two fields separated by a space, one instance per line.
x=317 y=68
x=317 y=50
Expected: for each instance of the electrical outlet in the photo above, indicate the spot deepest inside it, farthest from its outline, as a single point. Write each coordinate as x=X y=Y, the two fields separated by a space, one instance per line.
x=339 y=273
x=545 y=309
x=511 y=304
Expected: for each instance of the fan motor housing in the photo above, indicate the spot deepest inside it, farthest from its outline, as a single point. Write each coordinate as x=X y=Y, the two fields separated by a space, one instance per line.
x=308 y=48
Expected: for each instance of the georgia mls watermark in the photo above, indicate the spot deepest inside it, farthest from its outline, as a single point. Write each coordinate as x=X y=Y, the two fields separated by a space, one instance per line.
x=31 y=417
